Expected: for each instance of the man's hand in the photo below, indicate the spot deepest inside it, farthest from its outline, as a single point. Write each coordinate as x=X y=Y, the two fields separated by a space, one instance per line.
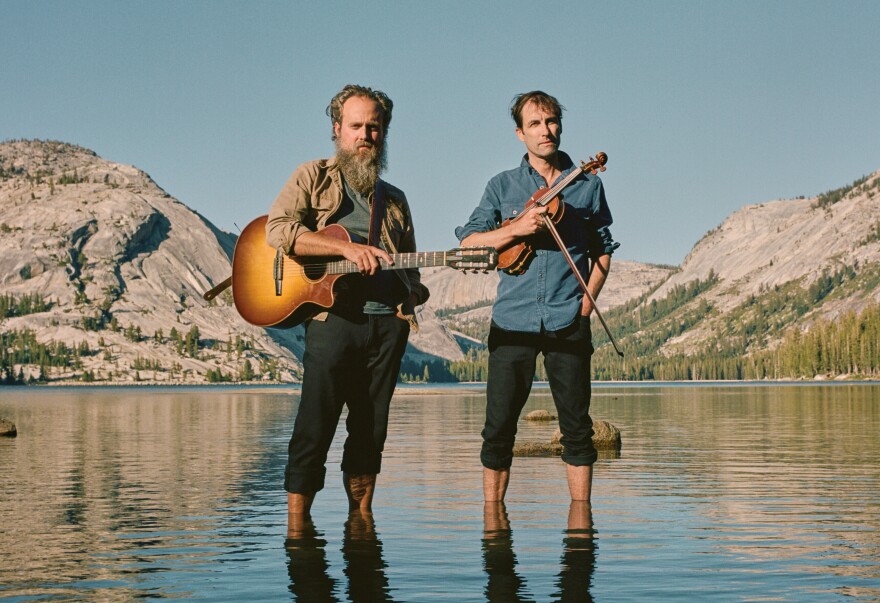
x=529 y=223
x=586 y=306
x=366 y=257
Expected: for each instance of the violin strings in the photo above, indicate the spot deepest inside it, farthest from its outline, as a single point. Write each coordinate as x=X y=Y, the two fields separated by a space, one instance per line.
x=552 y=192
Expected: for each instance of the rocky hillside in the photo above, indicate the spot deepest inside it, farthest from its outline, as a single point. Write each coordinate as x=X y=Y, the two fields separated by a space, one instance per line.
x=780 y=290
x=121 y=267
x=763 y=248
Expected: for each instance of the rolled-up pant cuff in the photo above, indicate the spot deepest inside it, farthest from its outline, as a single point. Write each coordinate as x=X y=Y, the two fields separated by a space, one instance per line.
x=298 y=481
x=581 y=459
x=361 y=466
x=496 y=462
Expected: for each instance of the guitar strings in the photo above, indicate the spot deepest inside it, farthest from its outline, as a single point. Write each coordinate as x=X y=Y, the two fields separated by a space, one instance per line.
x=437 y=258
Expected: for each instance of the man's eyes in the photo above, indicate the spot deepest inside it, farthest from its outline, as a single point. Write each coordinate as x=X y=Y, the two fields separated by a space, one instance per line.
x=534 y=124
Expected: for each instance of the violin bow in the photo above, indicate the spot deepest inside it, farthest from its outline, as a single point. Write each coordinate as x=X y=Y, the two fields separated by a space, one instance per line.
x=601 y=159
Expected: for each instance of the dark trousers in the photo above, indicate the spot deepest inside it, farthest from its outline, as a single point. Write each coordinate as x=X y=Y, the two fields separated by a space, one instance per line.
x=349 y=361
x=512 y=359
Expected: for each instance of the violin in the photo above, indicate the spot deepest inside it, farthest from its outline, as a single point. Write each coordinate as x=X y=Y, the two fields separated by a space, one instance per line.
x=515 y=258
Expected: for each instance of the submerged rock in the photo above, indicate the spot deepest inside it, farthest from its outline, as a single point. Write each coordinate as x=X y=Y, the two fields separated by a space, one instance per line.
x=605 y=437
x=7 y=429
x=540 y=415
x=537 y=449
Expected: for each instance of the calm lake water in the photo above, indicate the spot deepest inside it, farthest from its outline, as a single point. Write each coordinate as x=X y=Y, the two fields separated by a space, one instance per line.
x=720 y=492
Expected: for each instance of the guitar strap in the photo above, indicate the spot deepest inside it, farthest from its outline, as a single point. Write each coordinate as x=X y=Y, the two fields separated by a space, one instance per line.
x=377 y=214
x=212 y=293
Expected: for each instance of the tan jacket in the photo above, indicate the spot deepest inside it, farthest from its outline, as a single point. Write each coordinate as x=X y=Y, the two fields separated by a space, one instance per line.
x=310 y=198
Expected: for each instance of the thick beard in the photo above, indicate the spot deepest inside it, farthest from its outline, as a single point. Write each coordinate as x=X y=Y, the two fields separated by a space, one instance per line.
x=361 y=171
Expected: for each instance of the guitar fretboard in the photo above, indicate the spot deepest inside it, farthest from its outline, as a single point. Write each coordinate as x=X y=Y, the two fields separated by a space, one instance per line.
x=402 y=261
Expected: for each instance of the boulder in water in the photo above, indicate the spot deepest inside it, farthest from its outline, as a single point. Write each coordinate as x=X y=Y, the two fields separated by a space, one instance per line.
x=7 y=429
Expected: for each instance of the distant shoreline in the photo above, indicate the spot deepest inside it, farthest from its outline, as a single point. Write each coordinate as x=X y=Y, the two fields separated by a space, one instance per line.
x=422 y=389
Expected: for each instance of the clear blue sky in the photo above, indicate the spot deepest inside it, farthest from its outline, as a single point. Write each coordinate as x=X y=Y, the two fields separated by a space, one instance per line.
x=702 y=107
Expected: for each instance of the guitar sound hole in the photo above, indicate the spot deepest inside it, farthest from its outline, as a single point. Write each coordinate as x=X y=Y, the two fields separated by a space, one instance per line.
x=314 y=272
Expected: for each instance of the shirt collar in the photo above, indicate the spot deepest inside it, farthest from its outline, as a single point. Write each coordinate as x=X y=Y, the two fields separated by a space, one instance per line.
x=567 y=163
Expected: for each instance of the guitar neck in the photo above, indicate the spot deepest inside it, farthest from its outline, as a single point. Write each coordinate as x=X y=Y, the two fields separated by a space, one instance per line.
x=402 y=261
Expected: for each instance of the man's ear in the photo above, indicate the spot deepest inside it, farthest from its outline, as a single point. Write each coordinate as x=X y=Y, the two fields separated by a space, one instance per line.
x=336 y=128
x=519 y=134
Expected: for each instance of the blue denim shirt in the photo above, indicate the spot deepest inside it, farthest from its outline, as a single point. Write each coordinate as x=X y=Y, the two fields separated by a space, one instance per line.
x=547 y=295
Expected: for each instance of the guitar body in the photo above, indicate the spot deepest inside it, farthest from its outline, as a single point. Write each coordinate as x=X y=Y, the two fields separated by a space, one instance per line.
x=516 y=258
x=253 y=282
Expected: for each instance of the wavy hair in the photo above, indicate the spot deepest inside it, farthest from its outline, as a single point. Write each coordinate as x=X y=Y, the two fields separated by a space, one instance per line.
x=334 y=109
x=541 y=99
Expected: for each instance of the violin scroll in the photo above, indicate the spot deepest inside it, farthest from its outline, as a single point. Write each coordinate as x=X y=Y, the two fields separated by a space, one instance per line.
x=595 y=165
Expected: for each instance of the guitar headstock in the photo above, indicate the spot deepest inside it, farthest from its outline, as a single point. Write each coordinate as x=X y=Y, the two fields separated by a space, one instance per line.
x=477 y=259
x=595 y=165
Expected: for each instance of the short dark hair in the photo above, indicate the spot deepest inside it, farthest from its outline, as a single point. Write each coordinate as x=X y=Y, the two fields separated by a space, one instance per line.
x=542 y=99
x=334 y=109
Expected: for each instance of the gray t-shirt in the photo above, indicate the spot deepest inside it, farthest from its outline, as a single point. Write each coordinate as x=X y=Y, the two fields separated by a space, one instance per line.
x=380 y=293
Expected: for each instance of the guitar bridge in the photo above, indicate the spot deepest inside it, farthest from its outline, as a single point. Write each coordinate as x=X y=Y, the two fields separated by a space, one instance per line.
x=278 y=271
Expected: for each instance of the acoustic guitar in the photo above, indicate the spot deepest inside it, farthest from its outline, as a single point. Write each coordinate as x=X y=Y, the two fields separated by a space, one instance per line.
x=271 y=289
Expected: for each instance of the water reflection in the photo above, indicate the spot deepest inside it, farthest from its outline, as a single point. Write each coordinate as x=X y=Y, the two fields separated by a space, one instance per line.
x=578 y=555
x=364 y=567
x=499 y=561
x=307 y=563
x=504 y=582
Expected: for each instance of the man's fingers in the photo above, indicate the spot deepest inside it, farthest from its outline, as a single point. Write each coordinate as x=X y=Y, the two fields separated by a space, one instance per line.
x=372 y=264
x=371 y=260
x=384 y=256
x=368 y=259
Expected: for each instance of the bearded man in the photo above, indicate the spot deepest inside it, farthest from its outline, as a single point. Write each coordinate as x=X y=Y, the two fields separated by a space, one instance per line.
x=353 y=351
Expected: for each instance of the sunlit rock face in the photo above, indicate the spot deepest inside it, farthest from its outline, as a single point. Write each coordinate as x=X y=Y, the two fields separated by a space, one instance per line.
x=101 y=241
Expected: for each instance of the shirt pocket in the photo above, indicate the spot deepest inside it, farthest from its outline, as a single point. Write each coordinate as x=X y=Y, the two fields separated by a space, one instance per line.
x=511 y=208
x=322 y=202
x=513 y=200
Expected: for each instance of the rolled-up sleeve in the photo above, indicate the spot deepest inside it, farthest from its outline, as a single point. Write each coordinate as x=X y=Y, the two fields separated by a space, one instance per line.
x=288 y=214
x=601 y=243
x=605 y=244
x=485 y=217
